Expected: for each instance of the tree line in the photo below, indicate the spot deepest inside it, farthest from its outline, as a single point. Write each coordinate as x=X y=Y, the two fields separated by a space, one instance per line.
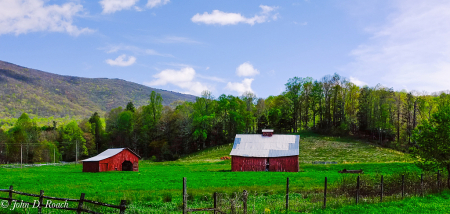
x=331 y=105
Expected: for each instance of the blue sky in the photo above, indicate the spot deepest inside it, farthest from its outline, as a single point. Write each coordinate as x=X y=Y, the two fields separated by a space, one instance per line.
x=229 y=47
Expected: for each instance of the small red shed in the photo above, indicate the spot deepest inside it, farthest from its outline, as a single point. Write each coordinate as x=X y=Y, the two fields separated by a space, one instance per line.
x=119 y=159
x=266 y=152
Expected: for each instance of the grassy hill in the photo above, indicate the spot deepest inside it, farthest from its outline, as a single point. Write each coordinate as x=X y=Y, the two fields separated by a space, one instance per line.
x=46 y=94
x=319 y=148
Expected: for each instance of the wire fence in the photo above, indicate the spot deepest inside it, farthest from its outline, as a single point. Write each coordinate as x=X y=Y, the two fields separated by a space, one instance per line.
x=18 y=165
x=350 y=189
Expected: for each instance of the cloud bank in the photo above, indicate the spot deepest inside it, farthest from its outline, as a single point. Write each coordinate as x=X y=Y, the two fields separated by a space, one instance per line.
x=241 y=87
x=24 y=16
x=357 y=82
x=122 y=61
x=183 y=78
x=410 y=50
x=246 y=69
x=111 y=6
x=224 y=18
x=155 y=3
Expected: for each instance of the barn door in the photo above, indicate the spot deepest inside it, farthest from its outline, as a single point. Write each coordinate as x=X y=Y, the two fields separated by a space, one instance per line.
x=267 y=164
x=127 y=166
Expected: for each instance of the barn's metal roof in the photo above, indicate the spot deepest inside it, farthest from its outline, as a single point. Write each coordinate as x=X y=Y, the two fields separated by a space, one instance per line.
x=107 y=154
x=256 y=145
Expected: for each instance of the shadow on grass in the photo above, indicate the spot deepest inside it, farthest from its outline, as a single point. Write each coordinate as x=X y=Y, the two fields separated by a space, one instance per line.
x=223 y=170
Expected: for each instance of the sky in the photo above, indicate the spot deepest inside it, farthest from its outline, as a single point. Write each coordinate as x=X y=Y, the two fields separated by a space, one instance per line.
x=232 y=47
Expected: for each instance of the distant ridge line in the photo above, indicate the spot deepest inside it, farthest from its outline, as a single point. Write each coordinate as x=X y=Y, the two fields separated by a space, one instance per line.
x=46 y=94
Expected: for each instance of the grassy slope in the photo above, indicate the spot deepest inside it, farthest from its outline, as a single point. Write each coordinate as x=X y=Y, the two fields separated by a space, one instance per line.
x=320 y=148
x=206 y=173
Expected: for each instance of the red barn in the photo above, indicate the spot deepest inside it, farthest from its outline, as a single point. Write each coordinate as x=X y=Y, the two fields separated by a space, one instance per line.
x=266 y=152
x=120 y=159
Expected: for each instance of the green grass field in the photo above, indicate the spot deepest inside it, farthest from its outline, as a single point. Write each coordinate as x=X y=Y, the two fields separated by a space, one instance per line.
x=437 y=203
x=157 y=187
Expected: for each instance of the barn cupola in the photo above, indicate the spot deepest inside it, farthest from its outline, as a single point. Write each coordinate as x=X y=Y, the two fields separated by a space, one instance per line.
x=267 y=132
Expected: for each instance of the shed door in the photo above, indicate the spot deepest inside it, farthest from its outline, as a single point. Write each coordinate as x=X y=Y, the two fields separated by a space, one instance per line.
x=127 y=166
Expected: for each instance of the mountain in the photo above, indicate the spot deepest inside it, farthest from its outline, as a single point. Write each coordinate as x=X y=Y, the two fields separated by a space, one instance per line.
x=45 y=94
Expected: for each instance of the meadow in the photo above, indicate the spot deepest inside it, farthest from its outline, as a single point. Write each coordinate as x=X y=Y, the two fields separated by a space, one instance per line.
x=157 y=187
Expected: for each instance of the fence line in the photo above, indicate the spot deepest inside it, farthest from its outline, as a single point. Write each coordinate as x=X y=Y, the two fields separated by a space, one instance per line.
x=18 y=165
x=122 y=207
x=359 y=188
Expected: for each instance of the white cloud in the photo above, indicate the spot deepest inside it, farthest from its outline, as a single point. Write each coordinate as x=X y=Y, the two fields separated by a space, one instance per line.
x=267 y=9
x=241 y=87
x=357 y=82
x=154 y=3
x=20 y=17
x=122 y=61
x=135 y=50
x=411 y=49
x=246 y=69
x=183 y=78
x=224 y=18
x=111 y=6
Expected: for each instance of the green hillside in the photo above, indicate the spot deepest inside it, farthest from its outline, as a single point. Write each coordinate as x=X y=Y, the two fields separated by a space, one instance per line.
x=45 y=94
x=320 y=148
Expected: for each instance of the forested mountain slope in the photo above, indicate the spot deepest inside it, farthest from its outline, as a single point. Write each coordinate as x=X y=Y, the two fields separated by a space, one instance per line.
x=46 y=94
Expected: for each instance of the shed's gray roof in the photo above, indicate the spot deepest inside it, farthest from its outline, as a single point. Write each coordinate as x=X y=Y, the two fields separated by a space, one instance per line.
x=256 y=145
x=107 y=154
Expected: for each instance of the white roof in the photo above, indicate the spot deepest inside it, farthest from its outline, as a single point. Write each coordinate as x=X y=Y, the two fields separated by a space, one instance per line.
x=106 y=154
x=267 y=130
x=256 y=145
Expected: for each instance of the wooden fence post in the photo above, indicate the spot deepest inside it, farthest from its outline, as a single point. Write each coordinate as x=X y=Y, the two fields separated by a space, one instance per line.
x=287 y=194
x=421 y=185
x=215 y=202
x=233 y=207
x=79 y=208
x=40 y=201
x=325 y=194
x=244 y=198
x=80 y=204
x=123 y=207
x=357 y=190
x=403 y=186
x=184 y=196
x=10 y=194
x=382 y=189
